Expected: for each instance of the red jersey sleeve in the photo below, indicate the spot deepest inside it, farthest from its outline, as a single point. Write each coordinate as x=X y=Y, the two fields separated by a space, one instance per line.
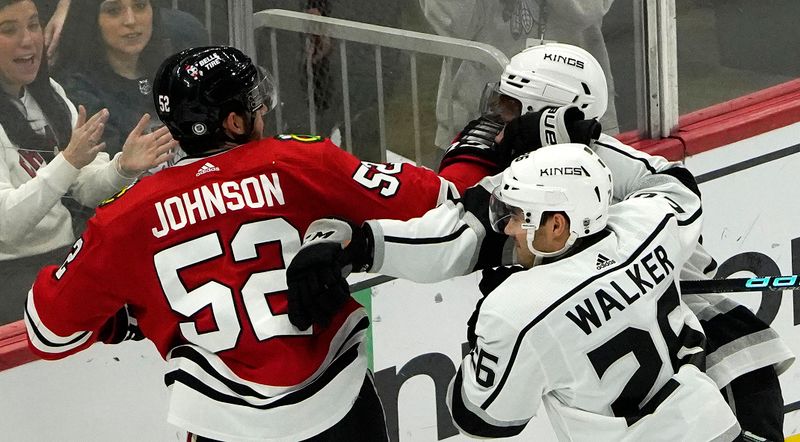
x=465 y=173
x=69 y=305
x=388 y=190
x=380 y=190
x=468 y=165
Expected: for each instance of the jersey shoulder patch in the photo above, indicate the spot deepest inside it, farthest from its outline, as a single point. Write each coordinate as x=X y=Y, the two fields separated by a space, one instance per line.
x=299 y=138
x=117 y=195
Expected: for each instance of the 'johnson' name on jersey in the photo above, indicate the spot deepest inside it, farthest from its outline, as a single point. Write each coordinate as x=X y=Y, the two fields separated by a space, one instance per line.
x=210 y=200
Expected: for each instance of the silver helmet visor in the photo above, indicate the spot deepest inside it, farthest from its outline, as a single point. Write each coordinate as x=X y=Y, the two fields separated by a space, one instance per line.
x=498 y=106
x=263 y=94
x=500 y=213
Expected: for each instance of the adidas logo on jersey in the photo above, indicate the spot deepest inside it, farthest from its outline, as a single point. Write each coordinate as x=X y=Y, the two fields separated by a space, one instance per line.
x=205 y=168
x=603 y=262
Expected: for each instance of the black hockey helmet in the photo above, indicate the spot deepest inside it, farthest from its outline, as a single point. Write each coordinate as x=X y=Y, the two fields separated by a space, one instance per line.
x=197 y=88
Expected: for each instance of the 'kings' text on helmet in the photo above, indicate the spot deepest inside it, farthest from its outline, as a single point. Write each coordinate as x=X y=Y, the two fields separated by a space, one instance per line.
x=555 y=74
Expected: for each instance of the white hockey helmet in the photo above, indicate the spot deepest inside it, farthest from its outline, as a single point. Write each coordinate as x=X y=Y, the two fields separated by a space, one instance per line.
x=553 y=74
x=567 y=178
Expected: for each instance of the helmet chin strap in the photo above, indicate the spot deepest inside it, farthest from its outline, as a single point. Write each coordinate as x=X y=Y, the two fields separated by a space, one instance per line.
x=538 y=255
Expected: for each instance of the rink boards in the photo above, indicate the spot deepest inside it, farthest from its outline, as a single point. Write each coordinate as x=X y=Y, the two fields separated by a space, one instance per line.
x=752 y=225
x=750 y=193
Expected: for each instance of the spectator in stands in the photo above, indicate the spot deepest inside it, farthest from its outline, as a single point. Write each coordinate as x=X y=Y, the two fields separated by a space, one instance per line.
x=511 y=25
x=183 y=30
x=48 y=149
x=294 y=50
x=115 y=47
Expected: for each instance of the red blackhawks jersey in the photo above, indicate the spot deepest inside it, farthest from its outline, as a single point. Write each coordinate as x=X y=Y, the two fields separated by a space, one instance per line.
x=198 y=252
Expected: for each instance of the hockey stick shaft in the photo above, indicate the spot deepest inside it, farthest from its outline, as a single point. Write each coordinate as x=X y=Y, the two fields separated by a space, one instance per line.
x=754 y=284
x=688 y=287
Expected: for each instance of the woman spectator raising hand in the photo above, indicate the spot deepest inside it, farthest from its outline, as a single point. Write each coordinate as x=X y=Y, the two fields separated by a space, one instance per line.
x=42 y=157
x=110 y=50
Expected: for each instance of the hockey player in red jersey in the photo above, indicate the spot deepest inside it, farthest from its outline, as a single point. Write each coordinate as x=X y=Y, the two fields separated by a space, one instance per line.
x=194 y=258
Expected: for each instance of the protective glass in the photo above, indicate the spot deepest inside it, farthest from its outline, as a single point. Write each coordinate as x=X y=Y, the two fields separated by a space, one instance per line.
x=495 y=105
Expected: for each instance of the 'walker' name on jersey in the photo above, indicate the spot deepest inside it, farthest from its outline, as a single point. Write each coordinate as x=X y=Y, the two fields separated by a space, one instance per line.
x=627 y=288
x=208 y=201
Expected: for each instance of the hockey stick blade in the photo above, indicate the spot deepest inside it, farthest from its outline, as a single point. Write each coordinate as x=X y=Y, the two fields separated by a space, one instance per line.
x=754 y=284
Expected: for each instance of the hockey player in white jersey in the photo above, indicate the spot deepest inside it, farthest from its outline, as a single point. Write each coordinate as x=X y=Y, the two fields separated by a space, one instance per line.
x=594 y=326
x=591 y=324
x=745 y=355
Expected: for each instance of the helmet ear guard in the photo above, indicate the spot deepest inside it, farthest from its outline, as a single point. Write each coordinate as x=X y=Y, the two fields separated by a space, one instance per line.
x=567 y=178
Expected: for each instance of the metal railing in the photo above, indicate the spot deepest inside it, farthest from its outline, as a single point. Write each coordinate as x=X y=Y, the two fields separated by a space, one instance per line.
x=656 y=54
x=240 y=26
x=409 y=42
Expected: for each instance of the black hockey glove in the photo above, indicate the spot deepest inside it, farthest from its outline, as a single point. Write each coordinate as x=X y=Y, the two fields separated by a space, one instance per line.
x=552 y=125
x=476 y=143
x=120 y=327
x=316 y=277
x=490 y=279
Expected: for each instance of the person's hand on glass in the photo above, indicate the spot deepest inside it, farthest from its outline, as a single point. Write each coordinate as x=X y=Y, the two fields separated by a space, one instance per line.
x=143 y=151
x=52 y=32
x=86 y=140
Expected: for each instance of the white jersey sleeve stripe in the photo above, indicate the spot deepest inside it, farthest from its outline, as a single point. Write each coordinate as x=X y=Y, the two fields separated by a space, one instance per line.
x=447 y=191
x=646 y=163
x=473 y=420
x=692 y=218
x=447 y=235
x=434 y=240
x=208 y=369
x=275 y=413
x=239 y=396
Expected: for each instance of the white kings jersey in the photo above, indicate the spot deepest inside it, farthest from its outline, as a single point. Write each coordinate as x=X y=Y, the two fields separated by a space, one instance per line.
x=739 y=342
x=600 y=336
